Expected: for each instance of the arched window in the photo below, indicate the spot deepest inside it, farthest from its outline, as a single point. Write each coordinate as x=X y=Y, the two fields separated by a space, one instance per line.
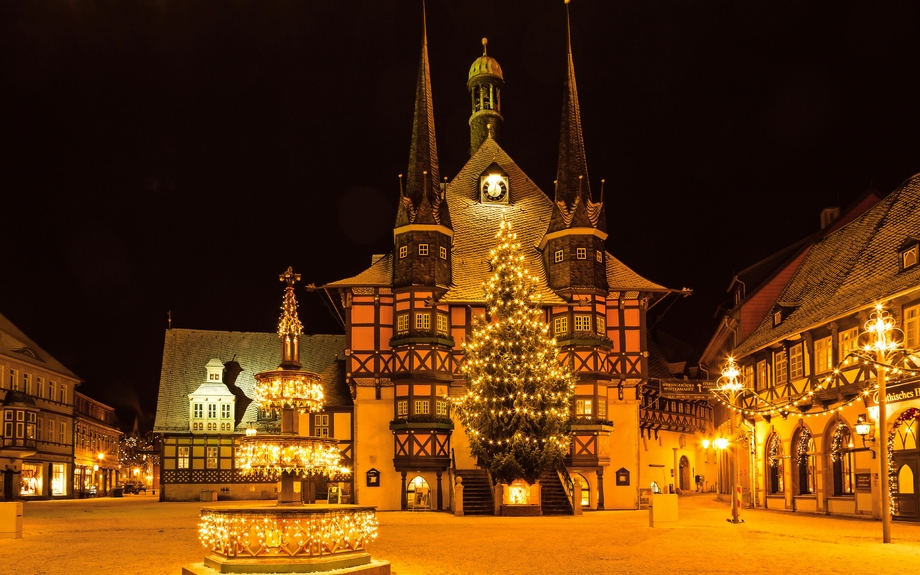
x=805 y=462
x=774 y=461
x=842 y=460
x=585 y=489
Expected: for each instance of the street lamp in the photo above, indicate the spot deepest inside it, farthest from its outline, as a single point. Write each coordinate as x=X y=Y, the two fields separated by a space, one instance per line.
x=731 y=384
x=880 y=331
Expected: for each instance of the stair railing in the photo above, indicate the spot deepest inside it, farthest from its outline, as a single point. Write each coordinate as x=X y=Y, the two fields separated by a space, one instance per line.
x=568 y=486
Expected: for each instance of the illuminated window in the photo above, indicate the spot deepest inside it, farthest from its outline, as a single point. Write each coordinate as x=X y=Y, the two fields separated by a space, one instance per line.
x=561 y=325
x=183 y=458
x=581 y=253
x=421 y=407
x=443 y=253
x=212 y=411
x=824 y=355
x=601 y=325
x=848 y=342
x=805 y=462
x=212 y=457
x=441 y=407
x=779 y=367
x=198 y=411
x=423 y=249
x=777 y=317
x=402 y=407
x=602 y=408
x=583 y=407
x=58 y=485
x=402 y=323
x=422 y=321
x=225 y=411
x=214 y=376
x=909 y=257
x=749 y=376
x=582 y=322
x=912 y=327
x=558 y=256
x=442 y=323
x=796 y=362
x=403 y=251
x=762 y=380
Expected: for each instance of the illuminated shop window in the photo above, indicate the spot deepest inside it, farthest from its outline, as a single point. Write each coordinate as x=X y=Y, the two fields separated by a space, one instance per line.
x=31 y=479
x=183 y=458
x=212 y=457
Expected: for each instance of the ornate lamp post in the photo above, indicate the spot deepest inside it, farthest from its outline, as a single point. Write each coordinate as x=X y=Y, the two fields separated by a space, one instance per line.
x=880 y=331
x=731 y=385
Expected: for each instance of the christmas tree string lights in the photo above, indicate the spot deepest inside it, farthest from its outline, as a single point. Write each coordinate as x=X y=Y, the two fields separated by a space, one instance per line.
x=518 y=405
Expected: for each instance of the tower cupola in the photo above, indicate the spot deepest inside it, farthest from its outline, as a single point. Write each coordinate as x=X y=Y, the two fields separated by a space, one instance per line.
x=485 y=82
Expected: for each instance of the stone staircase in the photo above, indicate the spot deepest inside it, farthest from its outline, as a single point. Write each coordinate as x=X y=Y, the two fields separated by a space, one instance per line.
x=477 y=493
x=553 y=498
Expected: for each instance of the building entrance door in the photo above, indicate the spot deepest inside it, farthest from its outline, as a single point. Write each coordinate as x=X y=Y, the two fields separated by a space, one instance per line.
x=684 y=481
x=907 y=494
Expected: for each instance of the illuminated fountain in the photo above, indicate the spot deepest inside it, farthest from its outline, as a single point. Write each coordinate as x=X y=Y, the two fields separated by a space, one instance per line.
x=288 y=537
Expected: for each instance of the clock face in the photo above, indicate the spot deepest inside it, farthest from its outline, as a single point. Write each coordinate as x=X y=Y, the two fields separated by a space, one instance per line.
x=494 y=189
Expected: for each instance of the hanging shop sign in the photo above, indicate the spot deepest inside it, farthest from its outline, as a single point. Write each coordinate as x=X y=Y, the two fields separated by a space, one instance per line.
x=686 y=389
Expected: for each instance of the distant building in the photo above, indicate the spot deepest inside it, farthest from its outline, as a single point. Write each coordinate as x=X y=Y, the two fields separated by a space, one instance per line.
x=795 y=329
x=37 y=398
x=97 y=468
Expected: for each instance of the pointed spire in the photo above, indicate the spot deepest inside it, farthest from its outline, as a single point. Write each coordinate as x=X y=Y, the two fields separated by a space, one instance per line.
x=289 y=326
x=422 y=180
x=572 y=163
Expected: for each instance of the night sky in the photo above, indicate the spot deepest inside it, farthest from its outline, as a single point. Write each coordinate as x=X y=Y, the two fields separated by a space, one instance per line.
x=177 y=156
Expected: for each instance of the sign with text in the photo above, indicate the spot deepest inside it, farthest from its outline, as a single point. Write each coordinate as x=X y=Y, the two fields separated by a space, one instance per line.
x=863 y=482
x=898 y=392
x=686 y=388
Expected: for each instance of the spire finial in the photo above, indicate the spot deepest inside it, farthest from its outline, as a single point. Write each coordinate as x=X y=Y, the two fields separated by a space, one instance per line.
x=485 y=43
x=289 y=323
x=424 y=26
x=568 y=27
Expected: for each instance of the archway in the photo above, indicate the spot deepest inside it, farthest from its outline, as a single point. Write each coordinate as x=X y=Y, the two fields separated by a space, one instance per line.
x=418 y=494
x=585 y=490
x=904 y=473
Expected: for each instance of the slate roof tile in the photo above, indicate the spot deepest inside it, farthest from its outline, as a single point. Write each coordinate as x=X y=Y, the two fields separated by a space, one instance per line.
x=187 y=351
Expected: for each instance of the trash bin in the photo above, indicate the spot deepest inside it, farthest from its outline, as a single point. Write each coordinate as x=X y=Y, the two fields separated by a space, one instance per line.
x=118 y=491
x=11 y=520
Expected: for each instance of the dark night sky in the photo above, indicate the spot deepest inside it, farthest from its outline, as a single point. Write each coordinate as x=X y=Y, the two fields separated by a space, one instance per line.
x=179 y=155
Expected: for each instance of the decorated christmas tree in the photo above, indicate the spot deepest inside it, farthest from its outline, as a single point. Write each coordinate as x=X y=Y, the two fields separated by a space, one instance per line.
x=517 y=408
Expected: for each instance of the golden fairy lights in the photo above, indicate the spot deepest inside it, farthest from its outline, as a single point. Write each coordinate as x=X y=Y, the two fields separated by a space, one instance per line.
x=296 y=533
x=519 y=394
x=880 y=334
x=298 y=390
x=275 y=454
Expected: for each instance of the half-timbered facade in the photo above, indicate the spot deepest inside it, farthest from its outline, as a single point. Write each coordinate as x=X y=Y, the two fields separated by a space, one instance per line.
x=808 y=385
x=407 y=315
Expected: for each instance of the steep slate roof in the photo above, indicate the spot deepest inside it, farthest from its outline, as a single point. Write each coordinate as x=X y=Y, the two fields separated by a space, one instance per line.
x=475 y=225
x=379 y=274
x=187 y=351
x=848 y=270
x=15 y=344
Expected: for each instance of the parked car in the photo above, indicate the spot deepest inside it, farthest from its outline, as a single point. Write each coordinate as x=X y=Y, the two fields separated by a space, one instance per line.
x=135 y=488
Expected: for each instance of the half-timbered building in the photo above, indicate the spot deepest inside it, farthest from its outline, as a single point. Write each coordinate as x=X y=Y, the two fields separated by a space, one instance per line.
x=796 y=333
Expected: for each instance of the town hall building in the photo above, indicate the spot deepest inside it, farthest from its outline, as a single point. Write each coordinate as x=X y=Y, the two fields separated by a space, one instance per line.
x=391 y=376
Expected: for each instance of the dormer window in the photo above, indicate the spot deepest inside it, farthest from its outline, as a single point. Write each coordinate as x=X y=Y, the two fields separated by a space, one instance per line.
x=910 y=256
x=214 y=377
x=777 y=317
